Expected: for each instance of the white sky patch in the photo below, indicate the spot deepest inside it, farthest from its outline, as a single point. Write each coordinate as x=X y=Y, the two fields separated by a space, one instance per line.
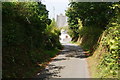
x=55 y=1
x=55 y=7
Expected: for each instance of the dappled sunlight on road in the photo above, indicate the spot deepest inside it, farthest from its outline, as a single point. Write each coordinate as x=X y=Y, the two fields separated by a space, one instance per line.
x=70 y=63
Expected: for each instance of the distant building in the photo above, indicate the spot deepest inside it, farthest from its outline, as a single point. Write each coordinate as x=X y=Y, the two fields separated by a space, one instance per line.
x=64 y=37
x=61 y=20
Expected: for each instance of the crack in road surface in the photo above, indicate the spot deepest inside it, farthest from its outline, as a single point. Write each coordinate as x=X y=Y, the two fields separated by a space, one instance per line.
x=70 y=63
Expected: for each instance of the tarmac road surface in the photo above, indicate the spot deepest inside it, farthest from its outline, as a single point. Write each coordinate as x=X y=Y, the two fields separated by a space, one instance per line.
x=70 y=63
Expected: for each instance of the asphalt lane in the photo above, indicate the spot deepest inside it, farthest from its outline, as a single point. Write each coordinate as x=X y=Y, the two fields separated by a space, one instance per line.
x=70 y=63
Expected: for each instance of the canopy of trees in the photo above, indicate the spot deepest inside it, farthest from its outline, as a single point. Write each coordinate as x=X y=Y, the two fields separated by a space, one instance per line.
x=90 y=13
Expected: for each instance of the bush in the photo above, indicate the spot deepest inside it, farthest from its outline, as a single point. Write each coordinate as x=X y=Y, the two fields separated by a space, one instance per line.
x=89 y=37
x=25 y=39
x=111 y=42
x=52 y=36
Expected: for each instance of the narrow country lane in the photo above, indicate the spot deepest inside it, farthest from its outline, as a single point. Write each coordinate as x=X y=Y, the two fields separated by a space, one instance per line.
x=70 y=63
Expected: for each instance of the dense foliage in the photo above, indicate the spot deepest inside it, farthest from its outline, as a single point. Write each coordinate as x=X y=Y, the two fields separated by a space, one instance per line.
x=91 y=14
x=110 y=41
x=96 y=26
x=25 y=40
x=52 y=32
x=107 y=52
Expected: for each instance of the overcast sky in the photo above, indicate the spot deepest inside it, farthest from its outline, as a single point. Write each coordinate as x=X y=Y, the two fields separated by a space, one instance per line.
x=55 y=7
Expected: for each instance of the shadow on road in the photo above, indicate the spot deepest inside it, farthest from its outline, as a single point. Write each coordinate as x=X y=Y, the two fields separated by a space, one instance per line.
x=73 y=51
x=50 y=71
x=69 y=51
x=59 y=59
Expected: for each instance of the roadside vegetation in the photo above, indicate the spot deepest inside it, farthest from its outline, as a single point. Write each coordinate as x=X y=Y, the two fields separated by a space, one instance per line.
x=96 y=27
x=29 y=39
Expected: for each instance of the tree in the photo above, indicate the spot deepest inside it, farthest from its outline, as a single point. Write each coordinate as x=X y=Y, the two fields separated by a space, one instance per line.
x=91 y=14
